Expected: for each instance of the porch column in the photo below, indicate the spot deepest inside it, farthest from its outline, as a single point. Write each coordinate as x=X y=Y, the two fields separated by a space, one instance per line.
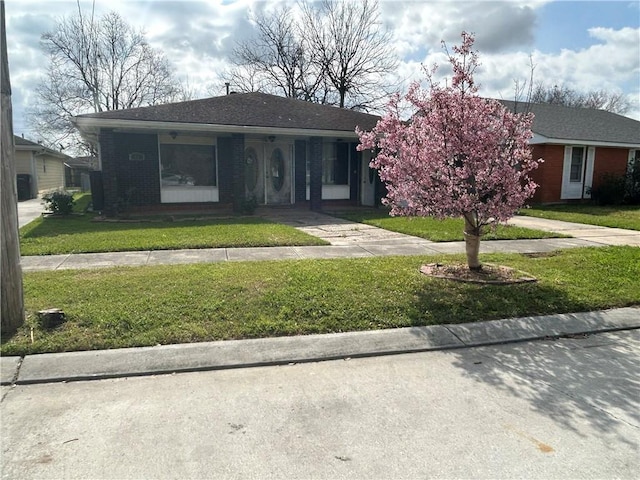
x=237 y=162
x=315 y=167
x=300 y=171
x=109 y=168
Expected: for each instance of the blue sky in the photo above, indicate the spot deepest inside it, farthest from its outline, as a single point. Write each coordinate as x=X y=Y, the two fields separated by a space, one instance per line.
x=585 y=45
x=565 y=24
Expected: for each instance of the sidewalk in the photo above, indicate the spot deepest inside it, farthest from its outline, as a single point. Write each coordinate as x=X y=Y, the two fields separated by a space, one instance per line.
x=128 y=362
x=348 y=240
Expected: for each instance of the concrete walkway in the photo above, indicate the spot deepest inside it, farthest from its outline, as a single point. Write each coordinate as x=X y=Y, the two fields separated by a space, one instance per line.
x=591 y=233
x=347 y=239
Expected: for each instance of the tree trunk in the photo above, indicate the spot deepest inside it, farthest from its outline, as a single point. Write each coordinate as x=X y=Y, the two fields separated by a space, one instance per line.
x=11 y=294
x=472 y=244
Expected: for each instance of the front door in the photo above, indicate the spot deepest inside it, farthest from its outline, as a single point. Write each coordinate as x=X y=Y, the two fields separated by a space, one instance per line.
x=267 y=173
x=368 y=179
x=278 y=174
x=577 y=172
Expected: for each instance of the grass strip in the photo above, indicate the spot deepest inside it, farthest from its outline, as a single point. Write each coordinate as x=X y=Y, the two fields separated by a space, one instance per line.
x=447 y=230
x=128 y=307
x=620 y=216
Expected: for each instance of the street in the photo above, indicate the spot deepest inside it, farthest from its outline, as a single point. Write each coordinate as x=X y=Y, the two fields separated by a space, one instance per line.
x=565 y=408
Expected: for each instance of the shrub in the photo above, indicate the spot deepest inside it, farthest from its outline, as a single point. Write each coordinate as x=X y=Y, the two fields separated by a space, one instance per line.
x=610 y=190
x=59 y=202
x=249 y=205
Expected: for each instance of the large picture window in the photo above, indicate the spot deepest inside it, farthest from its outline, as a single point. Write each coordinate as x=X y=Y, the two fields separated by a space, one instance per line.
x=188 y=165
x=335 y=164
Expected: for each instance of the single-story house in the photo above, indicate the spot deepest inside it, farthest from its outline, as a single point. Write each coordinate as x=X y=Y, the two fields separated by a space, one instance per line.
x=579 y=147
x=221 y=151
x=38 y=168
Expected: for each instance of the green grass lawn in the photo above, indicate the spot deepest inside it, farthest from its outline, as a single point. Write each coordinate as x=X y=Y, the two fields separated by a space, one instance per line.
x=621 y=216
x=79 y=234
x=448 y=230
x=126 y=307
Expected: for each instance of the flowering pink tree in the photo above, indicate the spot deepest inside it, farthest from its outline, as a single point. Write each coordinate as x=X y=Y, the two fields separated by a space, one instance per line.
x=460 y=155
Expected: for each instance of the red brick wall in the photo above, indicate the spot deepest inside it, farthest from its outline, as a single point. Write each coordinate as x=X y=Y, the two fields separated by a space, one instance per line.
x=549 y=174
x=609 y=160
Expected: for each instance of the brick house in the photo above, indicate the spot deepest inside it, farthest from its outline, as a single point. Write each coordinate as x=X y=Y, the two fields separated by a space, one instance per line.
x=218 y=151
x=579 y=147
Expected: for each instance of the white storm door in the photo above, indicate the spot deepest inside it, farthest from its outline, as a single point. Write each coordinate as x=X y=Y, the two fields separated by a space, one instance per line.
x=577 y=172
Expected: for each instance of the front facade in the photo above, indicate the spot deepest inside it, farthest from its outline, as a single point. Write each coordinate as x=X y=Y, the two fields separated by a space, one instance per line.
x=225 y=150
x=39 y=169
x=580 y=147
x=220 y=152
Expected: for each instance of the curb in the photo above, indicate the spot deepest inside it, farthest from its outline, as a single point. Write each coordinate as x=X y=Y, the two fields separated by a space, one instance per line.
x=166 y=359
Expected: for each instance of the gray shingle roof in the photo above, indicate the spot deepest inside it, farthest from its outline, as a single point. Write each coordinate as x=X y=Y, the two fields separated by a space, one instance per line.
x=25 y=143
x=249 y=109
x=587 y=124
x=29 y=145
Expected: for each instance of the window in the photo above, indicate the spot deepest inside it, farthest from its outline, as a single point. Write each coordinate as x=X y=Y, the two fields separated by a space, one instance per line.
x=335 y=164
x=188 y=165
x=577 y=162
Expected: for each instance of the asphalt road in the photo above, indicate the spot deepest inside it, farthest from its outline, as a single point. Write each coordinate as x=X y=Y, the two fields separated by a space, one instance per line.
x=567 y=408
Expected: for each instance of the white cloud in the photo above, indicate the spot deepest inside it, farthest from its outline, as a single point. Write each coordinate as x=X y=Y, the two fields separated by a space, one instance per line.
x=198 y=37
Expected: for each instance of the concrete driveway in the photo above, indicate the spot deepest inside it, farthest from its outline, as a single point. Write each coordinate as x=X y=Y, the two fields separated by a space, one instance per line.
x=29 y=210
x=565 y=408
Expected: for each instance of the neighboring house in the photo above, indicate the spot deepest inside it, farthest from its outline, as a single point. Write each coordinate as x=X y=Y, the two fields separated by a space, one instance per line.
x=223 y=150
x=77 y=170
x=579 y=147
x=38 y=168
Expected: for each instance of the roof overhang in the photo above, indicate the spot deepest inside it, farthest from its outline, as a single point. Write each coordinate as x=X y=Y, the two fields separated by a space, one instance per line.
x=90 y=127
x=41 y=150
x=540 y=139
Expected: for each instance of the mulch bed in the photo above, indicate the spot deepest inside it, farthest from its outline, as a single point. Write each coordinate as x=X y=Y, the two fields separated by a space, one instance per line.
x=488 y=274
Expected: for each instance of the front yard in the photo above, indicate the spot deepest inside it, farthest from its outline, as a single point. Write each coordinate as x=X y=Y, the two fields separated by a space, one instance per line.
x=80 y=234
x=127 y=307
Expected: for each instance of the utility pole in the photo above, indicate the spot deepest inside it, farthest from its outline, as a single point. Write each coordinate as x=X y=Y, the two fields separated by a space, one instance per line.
x=11 y=292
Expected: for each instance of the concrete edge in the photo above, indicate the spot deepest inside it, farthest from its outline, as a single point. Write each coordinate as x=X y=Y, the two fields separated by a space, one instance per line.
x=9 y=367
x=548 y=326
x=166 y=359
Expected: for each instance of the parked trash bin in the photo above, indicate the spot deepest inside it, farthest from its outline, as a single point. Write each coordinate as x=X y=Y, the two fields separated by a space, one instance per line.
x=24 y=186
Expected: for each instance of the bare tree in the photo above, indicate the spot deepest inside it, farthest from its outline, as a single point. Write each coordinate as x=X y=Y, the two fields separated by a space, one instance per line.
x=11 y=292
x=97 y=65
x=333 y=52
x=355 y=51
x=277 y=59
x=564 y=95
